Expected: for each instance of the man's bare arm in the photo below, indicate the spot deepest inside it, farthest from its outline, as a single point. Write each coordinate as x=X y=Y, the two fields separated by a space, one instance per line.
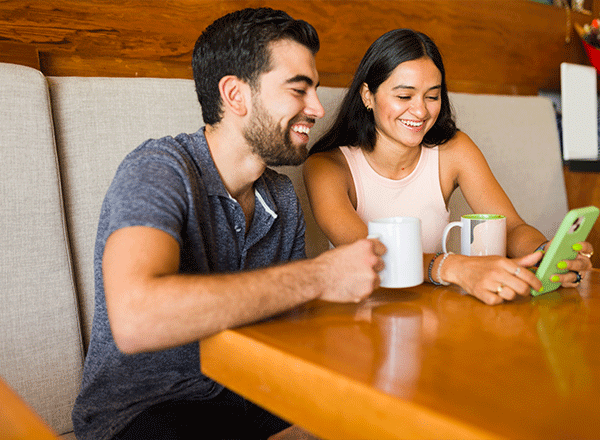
x=153 y=307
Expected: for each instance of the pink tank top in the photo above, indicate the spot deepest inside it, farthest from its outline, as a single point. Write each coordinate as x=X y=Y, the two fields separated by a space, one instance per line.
x=417 y=195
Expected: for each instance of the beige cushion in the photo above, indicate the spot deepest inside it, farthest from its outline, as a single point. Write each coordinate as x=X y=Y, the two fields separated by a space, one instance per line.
x=518 y=136
x=97 y=122
x=40 y=348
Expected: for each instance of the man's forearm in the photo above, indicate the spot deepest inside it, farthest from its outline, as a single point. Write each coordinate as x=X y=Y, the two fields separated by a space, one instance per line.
x=171 y=310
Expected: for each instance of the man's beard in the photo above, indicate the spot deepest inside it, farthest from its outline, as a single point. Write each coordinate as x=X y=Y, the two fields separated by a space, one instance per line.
x=270 y=142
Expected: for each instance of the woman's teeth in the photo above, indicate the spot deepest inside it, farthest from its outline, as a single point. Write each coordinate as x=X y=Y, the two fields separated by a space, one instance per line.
x=412 y=123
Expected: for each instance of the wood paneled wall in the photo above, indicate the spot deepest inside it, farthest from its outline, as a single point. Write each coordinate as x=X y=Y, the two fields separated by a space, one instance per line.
x=502 y=46
x=19 y=53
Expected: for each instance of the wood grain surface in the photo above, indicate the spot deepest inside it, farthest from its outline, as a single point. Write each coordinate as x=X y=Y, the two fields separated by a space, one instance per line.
x=583 y=189
x=424 y=362
x=18 y=421
x=511 y=46
x=19 y=53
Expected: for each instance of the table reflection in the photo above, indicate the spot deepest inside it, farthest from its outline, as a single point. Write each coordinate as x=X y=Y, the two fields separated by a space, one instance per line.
x=564 y=344
x=398 y=348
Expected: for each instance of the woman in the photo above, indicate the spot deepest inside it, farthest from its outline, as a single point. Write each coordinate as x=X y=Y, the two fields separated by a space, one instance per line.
x=394 y=150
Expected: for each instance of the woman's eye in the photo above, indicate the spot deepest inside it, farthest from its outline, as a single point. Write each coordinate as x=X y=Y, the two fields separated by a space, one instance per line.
x=404 y=98
x=433 y=98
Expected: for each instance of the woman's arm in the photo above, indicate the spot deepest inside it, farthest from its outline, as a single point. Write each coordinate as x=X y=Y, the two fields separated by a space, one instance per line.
x=463 y=164
x=332 y=197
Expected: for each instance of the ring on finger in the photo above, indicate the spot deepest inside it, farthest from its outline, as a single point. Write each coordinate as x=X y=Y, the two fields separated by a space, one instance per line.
x=586 y=254
x=499 y=289
x=518 y=271
x=578 y=279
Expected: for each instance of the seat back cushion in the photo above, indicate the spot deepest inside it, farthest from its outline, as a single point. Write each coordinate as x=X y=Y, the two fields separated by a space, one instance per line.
x=518 y=136
x=97 y=122
x=41 y=355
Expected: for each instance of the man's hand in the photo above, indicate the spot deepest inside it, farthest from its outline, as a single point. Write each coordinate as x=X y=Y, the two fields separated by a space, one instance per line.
x=351 y=272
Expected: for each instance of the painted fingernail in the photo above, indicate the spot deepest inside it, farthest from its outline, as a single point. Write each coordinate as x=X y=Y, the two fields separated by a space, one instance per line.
x=555 y=278
x=562 y=265
x=577 y=247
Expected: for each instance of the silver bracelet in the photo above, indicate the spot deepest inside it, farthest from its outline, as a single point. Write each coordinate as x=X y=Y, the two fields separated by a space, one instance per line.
x=439 y=270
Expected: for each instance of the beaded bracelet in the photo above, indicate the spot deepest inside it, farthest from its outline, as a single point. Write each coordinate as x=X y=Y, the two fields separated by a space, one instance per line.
x=431 y=280
x=541 y=246
x=439 y=270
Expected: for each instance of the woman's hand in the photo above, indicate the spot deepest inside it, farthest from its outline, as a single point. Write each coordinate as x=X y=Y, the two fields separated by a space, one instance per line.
x=577 y=268
x=493 y=279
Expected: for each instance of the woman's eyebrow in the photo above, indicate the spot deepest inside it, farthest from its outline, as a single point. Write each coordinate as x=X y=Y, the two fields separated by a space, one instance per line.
x=402 y=86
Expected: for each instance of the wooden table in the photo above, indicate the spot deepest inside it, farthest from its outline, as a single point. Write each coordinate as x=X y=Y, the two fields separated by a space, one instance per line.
x=424 y=362
x=18 y=421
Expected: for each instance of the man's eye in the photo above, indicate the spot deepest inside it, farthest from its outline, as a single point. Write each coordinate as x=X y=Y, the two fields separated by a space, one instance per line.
x=300 y=91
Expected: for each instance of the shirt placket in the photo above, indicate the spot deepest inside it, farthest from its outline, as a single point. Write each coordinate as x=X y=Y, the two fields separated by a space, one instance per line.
x=239 y=228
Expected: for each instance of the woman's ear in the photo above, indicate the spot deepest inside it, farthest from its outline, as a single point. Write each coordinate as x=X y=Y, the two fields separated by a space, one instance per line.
x=367 y=97
x=234 y=94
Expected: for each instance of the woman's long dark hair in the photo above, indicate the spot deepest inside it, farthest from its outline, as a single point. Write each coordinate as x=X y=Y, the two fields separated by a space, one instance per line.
x=354 y=125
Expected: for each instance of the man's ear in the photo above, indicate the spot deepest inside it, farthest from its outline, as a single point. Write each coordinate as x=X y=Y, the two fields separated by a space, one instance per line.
x=234 y=94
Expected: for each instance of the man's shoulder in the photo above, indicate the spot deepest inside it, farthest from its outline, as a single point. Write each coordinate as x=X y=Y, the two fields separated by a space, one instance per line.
x=278 y=179
x=169 y=144
x=155 y=161
x=179 y=149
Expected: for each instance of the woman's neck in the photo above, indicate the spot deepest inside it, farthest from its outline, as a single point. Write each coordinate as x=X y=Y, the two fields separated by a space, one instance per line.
x=393 y=162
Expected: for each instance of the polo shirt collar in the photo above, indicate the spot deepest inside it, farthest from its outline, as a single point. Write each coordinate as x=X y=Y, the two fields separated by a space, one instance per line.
x=214 y=185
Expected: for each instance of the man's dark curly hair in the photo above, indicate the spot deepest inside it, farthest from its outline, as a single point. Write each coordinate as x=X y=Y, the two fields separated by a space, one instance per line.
x=238 y=44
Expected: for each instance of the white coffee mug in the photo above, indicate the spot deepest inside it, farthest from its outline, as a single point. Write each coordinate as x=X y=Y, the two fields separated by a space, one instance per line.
x=404 y=257
x=481 y=234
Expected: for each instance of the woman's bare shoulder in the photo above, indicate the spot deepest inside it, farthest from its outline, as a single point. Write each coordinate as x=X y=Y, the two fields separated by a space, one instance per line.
x=459 y=147
x=332 y=160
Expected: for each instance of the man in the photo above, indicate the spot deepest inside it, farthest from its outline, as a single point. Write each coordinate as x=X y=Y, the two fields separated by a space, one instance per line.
x=193 y=234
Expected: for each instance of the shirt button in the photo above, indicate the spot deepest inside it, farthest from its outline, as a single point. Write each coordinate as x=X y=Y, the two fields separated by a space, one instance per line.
x=238 y=229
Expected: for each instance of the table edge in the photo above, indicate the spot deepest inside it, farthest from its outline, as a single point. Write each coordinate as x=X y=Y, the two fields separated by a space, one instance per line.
x=239 y=362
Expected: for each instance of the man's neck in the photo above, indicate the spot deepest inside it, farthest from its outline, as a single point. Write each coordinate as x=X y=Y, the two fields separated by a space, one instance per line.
x=238 y=167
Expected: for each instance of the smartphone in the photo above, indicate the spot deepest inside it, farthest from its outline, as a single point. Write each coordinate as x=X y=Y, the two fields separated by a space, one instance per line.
x=574 y=228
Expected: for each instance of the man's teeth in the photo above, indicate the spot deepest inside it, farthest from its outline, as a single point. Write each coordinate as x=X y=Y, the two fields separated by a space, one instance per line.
x=301 y=129
x=412 y=123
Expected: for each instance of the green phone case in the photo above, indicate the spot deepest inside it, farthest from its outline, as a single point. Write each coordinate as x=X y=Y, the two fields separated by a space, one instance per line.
x=574 y=228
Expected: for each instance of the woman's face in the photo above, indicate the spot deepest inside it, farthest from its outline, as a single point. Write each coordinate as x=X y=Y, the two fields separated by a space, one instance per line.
x=407 y=104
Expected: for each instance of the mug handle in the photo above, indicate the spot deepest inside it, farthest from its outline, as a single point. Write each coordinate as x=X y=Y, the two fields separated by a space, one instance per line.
x=446 y=231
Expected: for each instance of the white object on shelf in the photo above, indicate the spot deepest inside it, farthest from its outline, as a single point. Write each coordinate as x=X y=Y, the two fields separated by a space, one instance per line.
x=579 y=105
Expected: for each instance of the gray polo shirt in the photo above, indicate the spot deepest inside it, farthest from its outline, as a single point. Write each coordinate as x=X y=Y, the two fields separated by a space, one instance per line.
x=172 y=184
